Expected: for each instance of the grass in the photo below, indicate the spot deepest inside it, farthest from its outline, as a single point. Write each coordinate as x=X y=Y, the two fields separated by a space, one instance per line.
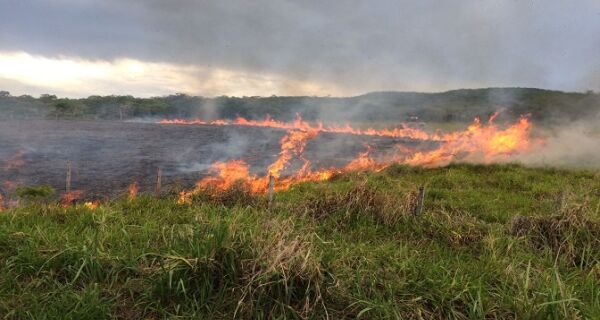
x=499 y=241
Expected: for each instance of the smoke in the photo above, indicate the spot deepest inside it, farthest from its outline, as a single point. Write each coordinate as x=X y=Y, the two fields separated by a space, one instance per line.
x=576 y=144
x=234 y=146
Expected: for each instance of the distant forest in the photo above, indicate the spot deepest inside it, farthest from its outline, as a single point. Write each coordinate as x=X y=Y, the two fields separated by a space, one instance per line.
x=463 y=105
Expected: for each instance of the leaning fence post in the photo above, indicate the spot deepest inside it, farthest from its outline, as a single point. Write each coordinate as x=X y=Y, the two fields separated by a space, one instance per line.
x=271 y=190
x=419 y=202
x=68 y=182
x=158 y=182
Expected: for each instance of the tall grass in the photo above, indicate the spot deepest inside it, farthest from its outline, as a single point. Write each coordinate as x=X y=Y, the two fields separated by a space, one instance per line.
x=499 y=241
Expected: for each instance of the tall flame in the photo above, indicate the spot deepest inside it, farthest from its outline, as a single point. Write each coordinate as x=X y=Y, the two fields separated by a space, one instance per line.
x=478 y=144
x=293 y=143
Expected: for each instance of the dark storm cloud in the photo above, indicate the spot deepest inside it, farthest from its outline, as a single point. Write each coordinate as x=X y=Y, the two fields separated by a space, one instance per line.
x=358 y=45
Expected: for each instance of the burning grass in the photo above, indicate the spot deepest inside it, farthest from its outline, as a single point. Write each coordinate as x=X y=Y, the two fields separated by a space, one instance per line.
x=479 y=143
x=345 y=248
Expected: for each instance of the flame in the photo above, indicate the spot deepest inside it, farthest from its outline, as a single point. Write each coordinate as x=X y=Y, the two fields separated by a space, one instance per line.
x=92 y=205
x=68 y=198
x=15 y=161
x=478 y=143
x=402 y=131
x=1 y=203
x=133 y=190
x=226 y=175
x=364 y=162
x=292 y=144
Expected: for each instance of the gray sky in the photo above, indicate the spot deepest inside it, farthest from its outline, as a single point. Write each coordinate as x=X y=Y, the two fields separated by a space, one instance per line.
x=151 y=47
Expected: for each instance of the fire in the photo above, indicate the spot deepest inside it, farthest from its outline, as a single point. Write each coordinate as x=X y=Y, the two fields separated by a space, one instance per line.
x=227 y=174
x=92 y=205
x=292 y=144
x=133 y=190
x=1 y=203
x=402 y=131
x=68 y=198
x=364 y=162
x=478 y=143
x=15 y=161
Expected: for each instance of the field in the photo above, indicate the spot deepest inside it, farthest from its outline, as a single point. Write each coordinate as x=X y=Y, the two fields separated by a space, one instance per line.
x=108 y=156
x=496 y=241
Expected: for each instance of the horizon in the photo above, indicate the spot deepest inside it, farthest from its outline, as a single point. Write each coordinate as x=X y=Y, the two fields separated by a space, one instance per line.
x=38 y=96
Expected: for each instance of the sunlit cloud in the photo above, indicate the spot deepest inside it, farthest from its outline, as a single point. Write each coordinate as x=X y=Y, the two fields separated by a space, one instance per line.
x=68 y=76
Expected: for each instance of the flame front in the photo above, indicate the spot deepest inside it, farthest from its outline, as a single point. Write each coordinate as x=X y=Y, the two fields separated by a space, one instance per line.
x=403 y=131
x=478 y=143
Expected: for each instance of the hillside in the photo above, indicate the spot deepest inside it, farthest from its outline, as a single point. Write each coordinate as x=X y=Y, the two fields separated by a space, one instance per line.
x=549 y=107
x=500 y=241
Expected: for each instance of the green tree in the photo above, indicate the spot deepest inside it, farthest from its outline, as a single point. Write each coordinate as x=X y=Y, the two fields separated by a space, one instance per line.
x=65 y=108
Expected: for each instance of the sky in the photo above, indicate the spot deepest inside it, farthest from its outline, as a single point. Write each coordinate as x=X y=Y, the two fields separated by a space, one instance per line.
x=78 y=48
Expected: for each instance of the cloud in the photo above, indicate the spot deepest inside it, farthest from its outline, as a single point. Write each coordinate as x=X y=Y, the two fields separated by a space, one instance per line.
x=357 y=46
x=28 y=74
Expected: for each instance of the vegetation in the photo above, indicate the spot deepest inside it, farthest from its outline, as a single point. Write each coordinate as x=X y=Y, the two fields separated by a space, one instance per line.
x=544 y=106
x=499 y=241
x=35 y=193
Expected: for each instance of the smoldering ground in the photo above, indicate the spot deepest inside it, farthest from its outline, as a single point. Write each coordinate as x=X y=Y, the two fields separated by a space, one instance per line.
x=108 y=156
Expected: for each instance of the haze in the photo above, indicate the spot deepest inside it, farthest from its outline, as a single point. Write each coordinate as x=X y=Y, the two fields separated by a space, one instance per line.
x=211 y=48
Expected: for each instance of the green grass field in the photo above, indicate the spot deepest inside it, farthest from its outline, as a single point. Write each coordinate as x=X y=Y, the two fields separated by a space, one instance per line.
x=499 y=241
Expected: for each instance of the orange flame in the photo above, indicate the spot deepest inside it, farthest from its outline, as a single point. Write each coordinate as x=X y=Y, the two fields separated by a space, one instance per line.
x=68 y=198
x=133 y=190
x=478 y=143
x=402 y=131
x=92 y=205
x=1 y=203
x=292 y=144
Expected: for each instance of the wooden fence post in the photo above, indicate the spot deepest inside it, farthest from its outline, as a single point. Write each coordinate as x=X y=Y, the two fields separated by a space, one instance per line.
x=419 y=202
x=271 y=194
x=68 y=182
x=158 y=182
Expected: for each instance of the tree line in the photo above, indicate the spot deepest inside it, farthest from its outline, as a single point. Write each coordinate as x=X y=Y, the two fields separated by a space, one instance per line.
x=451 y=106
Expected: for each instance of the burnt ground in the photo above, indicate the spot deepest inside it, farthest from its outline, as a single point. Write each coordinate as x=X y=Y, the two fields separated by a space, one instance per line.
x=108 y=156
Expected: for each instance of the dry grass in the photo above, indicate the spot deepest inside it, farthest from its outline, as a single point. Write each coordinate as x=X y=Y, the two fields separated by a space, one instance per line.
x=456 y=229
x=239 y=194
x=284 y=264
x=571 y=234
x=361 y=199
